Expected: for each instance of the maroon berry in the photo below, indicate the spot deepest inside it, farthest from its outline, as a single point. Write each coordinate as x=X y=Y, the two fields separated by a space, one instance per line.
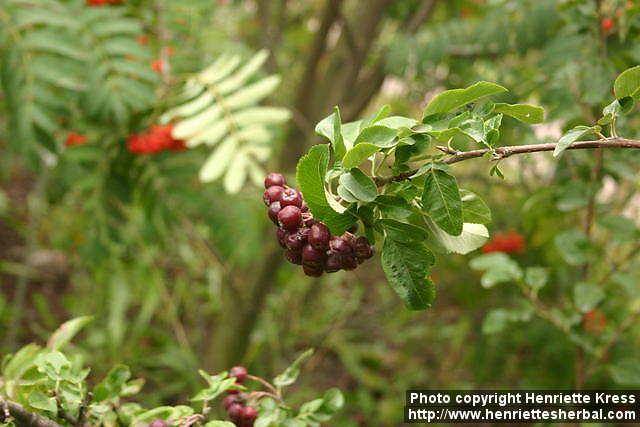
x=229 y=400
x=272 y=194
x=333 y=262
x=308 y=219
x=340 y=245
x=281 y=233
x=273 y=210
x=362 y=248
x=312 y=256
x=304 y=233
x=274 y=179
x=235 y=412
x=233 y=391
x=290 y=217
x=349 y=262
x=304 y=207
x=295 y=240
x=291 y=197
x=319 y=236
x=158 y=423
x=294 y=257
x=239 y=372
x=312 y=270
x=249 y=414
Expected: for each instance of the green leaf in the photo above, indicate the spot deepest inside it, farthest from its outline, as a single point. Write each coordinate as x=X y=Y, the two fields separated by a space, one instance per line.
x=381 y=136
x=407 y=267
x=474 y=209
x=15 y=366
x=572 y=136
x=397 y=122
x=359 y=154
x=113 y=383
x=526 y=113
x=628 y=83
x=331 y=128
x=455 y=98
x=626 y=372
x=586 y=296
x=214 y=390
x=310 y=174
x=65 y=333
x=290 y=375
x=574 y=246
x=536 y=277
x=39 y=400
x=497 y=320
x=359 y=184
x=616 y=108
x=403 y=232
x=472 y=237
x=497 y=268
x=217 y=423
x=441 y=200
x=393 y=206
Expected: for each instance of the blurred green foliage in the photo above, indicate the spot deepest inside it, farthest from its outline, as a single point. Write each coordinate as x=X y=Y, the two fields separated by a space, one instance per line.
x=180 y=275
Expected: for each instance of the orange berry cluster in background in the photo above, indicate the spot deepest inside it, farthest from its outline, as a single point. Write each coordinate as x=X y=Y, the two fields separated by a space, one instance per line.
x=75 y=138
x=509 y=243
x=155 y=140
x=103 y=2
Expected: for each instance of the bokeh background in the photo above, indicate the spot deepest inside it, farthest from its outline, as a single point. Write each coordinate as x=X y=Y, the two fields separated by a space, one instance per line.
x=182 y=275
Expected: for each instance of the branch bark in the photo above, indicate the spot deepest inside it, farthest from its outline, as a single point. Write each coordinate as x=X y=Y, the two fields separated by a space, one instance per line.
x=500 y=153
x=23 y=417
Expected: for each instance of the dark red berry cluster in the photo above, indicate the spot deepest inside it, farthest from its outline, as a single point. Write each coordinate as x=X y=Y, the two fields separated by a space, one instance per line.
x=308 y=242
x=235 y=402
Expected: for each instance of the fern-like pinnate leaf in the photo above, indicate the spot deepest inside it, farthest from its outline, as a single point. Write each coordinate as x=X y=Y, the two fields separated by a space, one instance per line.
x=62 y=58
x=220 y=110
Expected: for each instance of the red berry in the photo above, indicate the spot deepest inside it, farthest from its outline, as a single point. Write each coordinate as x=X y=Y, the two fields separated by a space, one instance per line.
x=362 y=248
x=295 y=240
x=340 y=245
x=308 y=219
x=291 y=197
x=294 y=257
x=290 y=217
x=333 y=262
x=607 y=24
x=158 y=423
x=319 y=236
x=233 y=391
x=281 y=233
x=235 y=412
x=312 y=256
x=272 y=194
x=349 y=262
x=249 y=414
x=273 y=210
x=274 y=179
x=239 y=372
x=229 y=400
x=312 y=270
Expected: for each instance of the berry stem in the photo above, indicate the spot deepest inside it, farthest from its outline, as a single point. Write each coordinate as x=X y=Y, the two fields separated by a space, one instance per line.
x=267 y=384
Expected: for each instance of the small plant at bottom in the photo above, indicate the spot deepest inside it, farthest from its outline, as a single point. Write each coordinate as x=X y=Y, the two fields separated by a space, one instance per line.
x=44 y=387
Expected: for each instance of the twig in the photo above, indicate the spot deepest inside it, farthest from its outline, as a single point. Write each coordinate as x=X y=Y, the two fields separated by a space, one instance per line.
x=500 y=153
x=62 y=413
x=83 y=411
x=271 y=388
x=23 y=417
